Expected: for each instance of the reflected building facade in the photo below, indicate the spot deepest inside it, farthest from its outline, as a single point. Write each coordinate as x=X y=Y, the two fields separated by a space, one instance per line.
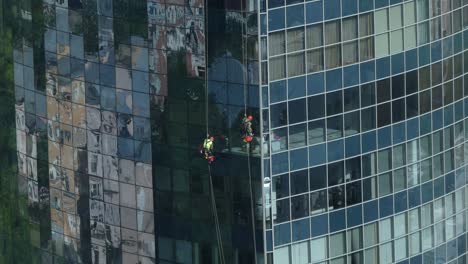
x=111 y=107
x=360 y=126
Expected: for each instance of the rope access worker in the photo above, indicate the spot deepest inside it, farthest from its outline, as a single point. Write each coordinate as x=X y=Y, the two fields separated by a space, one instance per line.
x=246 y=128
x=207 y=149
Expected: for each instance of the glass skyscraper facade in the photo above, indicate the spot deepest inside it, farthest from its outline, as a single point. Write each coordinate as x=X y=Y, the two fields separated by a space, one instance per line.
x=363 y=108
x=359 y=119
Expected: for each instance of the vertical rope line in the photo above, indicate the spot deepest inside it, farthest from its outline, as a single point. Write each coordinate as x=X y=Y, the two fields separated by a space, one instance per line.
x=245 y=77
x=244 y=55
x=213 y=199
x=206 y=67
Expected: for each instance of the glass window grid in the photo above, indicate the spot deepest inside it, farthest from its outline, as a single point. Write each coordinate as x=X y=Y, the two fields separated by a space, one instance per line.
x=446 y=219
x=65 y=123
x=373 y=35
x=304 y=122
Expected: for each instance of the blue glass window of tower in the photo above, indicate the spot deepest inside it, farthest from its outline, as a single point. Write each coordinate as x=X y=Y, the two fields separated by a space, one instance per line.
x=349 y=7
x=278 y=115
x=295 y=15
x=332 y=9
x=367 y=71
x=277 y=91
x=297 y=110
x=353 y=193
x=314 y=12
x=281 y=185
x=334 y=79
x=318 y=178
x=351 y=98
x=315 y=84
x=296 y=87
x=316 y=107
x=282 y=234
x=365 y=5
x=317 y=154
x=299 y=159
x=276 y=19
x=301 y=229
x=351 y=75
x=275 y=3
x=300 y=206
x=334 y=103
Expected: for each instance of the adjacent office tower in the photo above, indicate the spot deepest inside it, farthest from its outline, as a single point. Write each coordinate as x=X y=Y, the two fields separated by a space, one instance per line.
x=358 y=114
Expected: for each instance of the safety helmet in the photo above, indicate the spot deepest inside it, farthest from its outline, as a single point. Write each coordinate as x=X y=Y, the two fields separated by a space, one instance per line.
x=250 y=117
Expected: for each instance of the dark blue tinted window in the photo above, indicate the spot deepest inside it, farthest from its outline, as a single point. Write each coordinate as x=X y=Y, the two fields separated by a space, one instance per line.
x=400 y=202
x=367 y=71
x=354 y=216
x=282 y=234
x=314 y=12
x=349 y=7
x=319 y=225
x=351 y=75
x=276 y=19
x=299 y=159
x=277 y=91
x=371 y=211
x=295 y=15
x=332 y=9
x=353 y=146
x=296 y=87
x=381 y=3
x=315 y=84
x=334 y=79
x=436 y=51
x=337 y=220
x=383 y=67
x=411 y=57
x=365 y=5
x=398 y=63
x=300 y=229
x=279 y=163
x=317 y=154
x=275 y=3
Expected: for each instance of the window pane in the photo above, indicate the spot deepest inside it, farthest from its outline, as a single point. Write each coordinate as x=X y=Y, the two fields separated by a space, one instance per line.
x=366 y=51
x=282 y=255
x=366 y=25
x=381 y=21
x=349 y=28
x=396 y=38
x=381 y=45
x=339 y=245
x=333 y=56
x=423 y=33
x=277 y=43
x=296 y=64
x=314 y=36
x=422 y=9
x=350 y=52
x=295 y=39
x=332 y=32
x=319 y=249
x=277 y=68
x=395 y=17
x=300 y=253
x=315 y=60
x=409 y=13
x=410 y=37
